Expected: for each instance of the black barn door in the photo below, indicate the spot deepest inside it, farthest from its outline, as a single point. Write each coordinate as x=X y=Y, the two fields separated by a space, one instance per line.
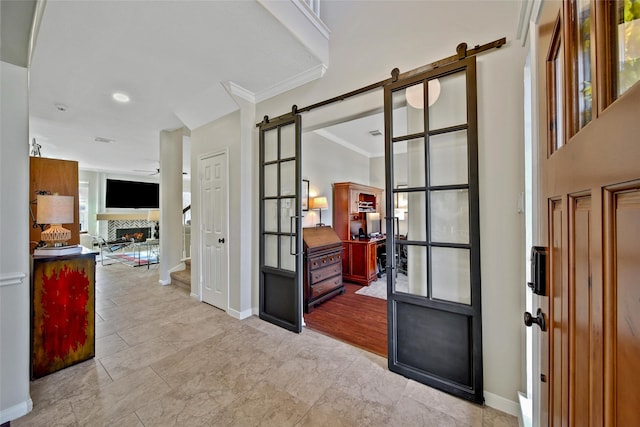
x=434 y=317
x=280 y=225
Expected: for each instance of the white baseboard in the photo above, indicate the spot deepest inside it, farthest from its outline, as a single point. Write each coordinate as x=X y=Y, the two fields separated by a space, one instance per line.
x=164 y=282
x=501 y=404
x=16 y=411
x=525 y=416
x=240 y=315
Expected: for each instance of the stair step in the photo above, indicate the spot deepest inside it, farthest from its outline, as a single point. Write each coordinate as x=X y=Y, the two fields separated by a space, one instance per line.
x=181 y=278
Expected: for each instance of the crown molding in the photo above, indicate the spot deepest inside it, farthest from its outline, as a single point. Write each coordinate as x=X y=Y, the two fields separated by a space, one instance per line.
x=303 y=78
x=239 y=91
x=333 y=138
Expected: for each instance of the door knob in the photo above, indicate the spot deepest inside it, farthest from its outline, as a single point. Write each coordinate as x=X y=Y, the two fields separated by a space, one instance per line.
x=221 y=240
x=539 y=320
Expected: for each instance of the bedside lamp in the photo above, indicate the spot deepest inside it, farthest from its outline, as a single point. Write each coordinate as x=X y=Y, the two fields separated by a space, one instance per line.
x=319 y=203
x=154 y=216
x=55 y=210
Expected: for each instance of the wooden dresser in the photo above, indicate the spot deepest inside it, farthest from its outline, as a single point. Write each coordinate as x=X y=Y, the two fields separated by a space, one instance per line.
x=322 y=266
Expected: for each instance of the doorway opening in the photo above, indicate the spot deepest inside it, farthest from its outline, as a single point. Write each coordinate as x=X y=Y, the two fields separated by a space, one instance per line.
x=344 y=143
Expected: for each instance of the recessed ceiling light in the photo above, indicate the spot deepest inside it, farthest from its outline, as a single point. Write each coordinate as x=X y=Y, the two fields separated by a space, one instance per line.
x=61 y=107
x=375 y=132
x=121 y=97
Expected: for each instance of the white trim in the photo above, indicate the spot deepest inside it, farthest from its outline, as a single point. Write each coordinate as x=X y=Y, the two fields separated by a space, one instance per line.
x=524 y=415
x=255 y=311
x=12 y=279
x=501 y=404
x=529 y=12
x=164 y=282
x=240 y=315
x=331 y=137
x=313 y=17
x=240 y=92
x=293 y=82
x=16 y=411
x=300 y=79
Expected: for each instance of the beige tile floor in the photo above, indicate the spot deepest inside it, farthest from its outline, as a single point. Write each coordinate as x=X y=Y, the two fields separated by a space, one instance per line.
x=165 y=359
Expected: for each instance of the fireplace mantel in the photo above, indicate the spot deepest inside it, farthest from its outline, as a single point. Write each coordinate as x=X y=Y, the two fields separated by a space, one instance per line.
x=122 y=216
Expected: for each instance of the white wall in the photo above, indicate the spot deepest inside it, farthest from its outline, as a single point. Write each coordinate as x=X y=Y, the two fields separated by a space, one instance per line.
x=365 y=46
x=325 y=162
x=14 y=249
x=211 y=138
x=380 y=44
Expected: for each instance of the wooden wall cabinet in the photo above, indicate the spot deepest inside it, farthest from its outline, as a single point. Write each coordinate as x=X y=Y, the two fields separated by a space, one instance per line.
x=322 y=266
x=54 y=176
x=351 y=202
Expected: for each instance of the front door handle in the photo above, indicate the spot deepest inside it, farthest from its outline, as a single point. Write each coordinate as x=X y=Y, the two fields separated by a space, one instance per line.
x=539 y=320
x=221 y=240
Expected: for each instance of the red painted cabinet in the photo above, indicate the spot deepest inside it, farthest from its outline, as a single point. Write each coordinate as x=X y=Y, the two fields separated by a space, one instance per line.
x=62 y=312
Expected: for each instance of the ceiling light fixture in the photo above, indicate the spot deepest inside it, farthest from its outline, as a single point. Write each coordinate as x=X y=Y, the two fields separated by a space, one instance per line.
x=105 y=140
x=61 y=107
x=121 y=97
x=415 y=94
x=375 y=132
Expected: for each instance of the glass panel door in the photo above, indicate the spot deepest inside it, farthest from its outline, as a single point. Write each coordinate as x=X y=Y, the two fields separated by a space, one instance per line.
x=432 y=188
x=280 y=225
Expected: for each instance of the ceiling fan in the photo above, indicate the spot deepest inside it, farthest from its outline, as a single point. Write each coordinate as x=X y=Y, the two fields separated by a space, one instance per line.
x=152 y=173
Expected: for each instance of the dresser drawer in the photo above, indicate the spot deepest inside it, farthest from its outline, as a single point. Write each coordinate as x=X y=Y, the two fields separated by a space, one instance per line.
x=323 y=261
x=325 y=272
x=325 y=286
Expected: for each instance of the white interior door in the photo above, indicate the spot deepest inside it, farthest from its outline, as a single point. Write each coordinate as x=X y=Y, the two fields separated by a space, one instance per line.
x=214 y=274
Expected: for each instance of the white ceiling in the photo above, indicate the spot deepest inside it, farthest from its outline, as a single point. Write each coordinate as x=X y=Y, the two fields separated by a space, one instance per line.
x=171 y=58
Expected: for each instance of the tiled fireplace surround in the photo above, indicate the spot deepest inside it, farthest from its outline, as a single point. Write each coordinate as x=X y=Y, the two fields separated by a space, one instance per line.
x=113 y=225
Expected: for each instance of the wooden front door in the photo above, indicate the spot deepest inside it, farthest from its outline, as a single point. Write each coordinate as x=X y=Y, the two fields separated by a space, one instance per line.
x=590 y=212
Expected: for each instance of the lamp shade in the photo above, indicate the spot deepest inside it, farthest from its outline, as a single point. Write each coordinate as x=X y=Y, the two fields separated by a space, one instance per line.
x=415 y=94
x=54 y=209
x=319 y=203
x=153 y=215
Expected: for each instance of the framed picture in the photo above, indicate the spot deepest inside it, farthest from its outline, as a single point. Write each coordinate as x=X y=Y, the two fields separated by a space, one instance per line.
x=304 y=197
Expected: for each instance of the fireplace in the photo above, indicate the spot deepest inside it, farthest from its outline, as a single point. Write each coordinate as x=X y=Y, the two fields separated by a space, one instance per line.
x=137 y=234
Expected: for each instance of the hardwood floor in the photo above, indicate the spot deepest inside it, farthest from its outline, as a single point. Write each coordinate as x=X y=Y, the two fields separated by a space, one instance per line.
x=355 y=319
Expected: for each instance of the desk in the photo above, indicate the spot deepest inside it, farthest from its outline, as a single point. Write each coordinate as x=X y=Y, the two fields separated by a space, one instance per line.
x=360 y=260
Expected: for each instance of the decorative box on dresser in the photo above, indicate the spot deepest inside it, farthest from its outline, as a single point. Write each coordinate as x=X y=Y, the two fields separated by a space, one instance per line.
x=351 y=202
x=322 y=266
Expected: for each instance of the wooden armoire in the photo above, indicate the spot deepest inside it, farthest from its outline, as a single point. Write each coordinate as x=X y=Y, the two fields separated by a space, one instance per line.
x=351 y=202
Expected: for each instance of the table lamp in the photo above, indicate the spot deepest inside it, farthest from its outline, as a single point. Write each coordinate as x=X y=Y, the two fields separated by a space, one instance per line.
x=319 y=203
x=55 y=210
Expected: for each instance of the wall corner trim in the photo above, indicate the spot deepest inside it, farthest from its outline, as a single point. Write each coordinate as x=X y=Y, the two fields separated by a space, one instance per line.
x=16 y=411
x=502 y=404
x=240 y=315
x=12 y=279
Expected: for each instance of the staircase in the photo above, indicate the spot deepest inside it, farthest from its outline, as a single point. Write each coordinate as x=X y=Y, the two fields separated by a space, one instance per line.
x=182 y=278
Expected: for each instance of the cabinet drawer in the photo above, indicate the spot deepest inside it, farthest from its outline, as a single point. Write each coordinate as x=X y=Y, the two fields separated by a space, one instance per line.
x=320 y=274
x=325 y=286
x=325 y=260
